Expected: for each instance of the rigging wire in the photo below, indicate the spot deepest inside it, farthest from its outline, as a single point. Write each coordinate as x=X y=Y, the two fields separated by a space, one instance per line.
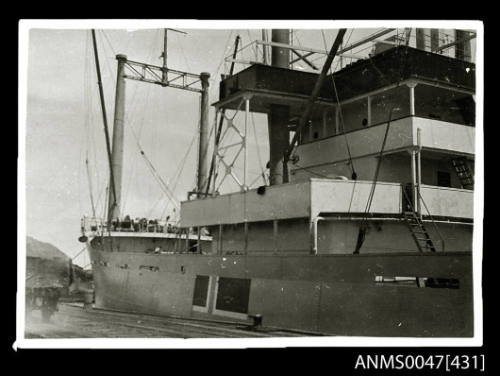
x=182 y=51
x=183 y=162
x=254 y=48
x=223 y=59
x=263 y=172
x=109 y=43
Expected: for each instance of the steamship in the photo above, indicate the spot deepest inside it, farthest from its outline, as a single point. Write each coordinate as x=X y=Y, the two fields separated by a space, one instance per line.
x=365 y=225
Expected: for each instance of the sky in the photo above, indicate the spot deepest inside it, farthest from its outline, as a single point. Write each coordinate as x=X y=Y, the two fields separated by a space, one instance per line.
x=64 y=143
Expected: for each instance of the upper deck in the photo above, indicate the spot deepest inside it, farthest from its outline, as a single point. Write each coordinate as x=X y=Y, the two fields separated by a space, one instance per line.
x=272 y=85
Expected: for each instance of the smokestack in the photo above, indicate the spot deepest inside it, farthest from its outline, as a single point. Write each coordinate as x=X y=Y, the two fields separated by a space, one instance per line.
x=462 y=47
x=279 y=115
x=420 y=33
x=434 y=39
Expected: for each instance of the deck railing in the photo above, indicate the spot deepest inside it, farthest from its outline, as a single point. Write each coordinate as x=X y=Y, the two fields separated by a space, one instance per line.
x=99 y=226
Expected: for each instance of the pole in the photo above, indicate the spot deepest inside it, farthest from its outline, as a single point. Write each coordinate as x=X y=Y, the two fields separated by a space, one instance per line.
x=203 y=146
x=245 y=143
x=164 y=77
x=414 y=178
x=419 y=170
x=411 y=86
x=264 y=47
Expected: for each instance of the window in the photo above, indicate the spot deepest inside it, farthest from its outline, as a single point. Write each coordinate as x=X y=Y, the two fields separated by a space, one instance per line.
x=421 y=282
x=443 y=179
x=446 y=105
x=353 y=115
x=397 y=99
x=200 y=295
x=233 y=295
x=330 y=122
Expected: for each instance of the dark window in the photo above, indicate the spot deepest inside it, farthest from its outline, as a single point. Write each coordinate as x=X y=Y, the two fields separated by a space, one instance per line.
x=420 y=282
x=233 y=295
x=446 y=105
x=443 y=283
x=396 y=99
x=192 y=246
x=200 y=291
x=353 y=114
x=443 y=179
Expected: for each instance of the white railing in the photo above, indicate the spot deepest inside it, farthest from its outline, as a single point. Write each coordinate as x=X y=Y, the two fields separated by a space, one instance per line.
x=301 y=58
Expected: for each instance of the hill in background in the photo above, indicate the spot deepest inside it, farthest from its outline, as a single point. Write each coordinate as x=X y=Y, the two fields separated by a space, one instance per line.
x=36 y=248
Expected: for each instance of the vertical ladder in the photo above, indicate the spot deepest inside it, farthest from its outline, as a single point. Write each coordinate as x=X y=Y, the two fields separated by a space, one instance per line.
x=418 y=231
x=464 y=172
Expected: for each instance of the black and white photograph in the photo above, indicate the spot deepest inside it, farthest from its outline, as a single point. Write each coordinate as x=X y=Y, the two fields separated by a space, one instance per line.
x=192 y=183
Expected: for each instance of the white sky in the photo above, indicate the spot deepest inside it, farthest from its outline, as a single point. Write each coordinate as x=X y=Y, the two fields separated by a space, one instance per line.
x=64 y=122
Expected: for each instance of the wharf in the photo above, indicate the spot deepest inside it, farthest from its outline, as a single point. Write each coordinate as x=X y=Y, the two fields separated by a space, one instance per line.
x=73 y=321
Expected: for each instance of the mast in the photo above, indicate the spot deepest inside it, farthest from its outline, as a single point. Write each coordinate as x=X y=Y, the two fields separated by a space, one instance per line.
x=118 y=137
x=105 y=122
x=279 y=115
x=202 y=181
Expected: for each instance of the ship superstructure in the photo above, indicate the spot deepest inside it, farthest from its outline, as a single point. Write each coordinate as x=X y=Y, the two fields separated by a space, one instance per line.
x=365 y=227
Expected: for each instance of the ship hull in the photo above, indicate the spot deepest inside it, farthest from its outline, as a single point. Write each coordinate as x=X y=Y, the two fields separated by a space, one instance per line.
x=327 y=294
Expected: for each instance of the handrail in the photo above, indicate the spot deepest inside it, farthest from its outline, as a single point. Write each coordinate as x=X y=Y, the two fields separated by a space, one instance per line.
x=99 y=226
x=310 y=54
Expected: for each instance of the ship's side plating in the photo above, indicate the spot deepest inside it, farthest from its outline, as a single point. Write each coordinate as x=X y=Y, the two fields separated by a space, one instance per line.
x=369 y=294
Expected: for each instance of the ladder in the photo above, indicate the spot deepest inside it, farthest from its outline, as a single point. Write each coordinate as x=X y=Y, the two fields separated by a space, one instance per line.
x=464 y=172
x=414 y=222
x=418 y=231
